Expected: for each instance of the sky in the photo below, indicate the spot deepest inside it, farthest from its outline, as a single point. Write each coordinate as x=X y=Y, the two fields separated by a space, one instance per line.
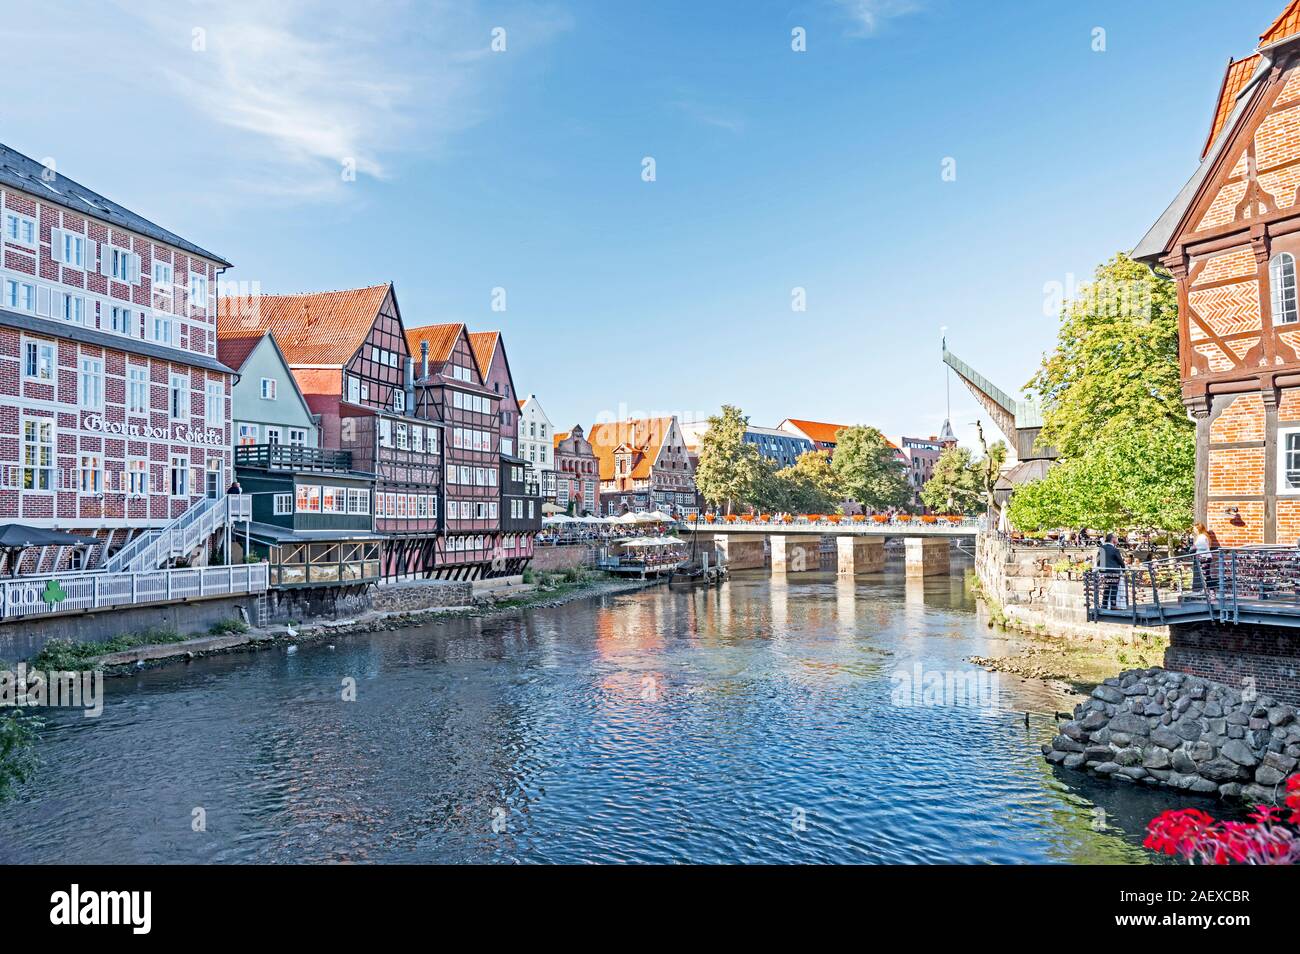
x=641 y=196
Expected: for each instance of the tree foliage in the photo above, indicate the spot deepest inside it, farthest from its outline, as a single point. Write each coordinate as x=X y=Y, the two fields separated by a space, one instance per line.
x=1141 y=477
x=954 y=485
x=867 y=470
x=730 y=469
x=809 y=485
x=1112 y=409
x=1115 y=365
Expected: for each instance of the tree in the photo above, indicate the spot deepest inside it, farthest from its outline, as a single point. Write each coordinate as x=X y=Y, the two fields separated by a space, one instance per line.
x=1142 y=477
x=730 y=469
x=954 y=486
x=1112 y=409
x=867 y=470
x=1115 y=364
x=809 y=485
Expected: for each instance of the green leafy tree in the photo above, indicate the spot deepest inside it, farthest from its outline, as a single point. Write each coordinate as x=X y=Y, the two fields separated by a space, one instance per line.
x=1143 y=477
x=954 y=485
x=1115 y=365
x=1112 y=409
x=867 y=470
x=809 y=485
x=17 y=751
x=730 y=470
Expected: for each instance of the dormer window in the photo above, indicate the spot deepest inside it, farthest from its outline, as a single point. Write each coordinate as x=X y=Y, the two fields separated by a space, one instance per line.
x=1281 y=275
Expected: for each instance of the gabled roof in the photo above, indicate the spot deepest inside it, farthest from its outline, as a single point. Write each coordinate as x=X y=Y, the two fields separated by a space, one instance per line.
x=27 y=175
x=1284 y=27
x=644 y=437
x=1235 y=78
x=316 y=328
x=816 y=431
x=233 y=348
x=484 y=345
x=441 y=340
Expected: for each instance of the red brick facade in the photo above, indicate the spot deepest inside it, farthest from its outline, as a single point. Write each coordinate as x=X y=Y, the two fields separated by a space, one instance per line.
x=104 y=374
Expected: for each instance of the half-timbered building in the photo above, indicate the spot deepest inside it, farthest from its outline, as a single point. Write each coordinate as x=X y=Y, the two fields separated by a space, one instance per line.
x=1231 y=239
x=348 y=353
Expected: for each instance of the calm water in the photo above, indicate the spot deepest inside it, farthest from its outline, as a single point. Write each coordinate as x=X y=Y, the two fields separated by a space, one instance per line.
x=657 y=726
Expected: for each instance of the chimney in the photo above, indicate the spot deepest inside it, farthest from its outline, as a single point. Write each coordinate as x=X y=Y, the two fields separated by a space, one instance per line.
x=424 y=359
x=410 y=386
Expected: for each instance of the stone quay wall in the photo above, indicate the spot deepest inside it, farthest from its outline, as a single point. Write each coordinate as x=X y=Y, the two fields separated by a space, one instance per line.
x=556 y=559
x=1161 y=728
x=421 y=594
x=1032 y=596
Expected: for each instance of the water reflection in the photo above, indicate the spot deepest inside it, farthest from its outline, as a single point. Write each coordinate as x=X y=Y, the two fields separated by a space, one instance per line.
x=660 y=726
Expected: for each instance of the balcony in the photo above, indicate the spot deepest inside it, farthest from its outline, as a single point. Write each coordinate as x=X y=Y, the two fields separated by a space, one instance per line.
x=1249 y=585
x=290 y=457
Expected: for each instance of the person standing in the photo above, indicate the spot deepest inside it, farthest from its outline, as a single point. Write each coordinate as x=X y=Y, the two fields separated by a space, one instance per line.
x=1111 y=562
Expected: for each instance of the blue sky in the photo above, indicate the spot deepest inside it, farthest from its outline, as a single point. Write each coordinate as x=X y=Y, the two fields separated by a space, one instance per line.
x=231 y=123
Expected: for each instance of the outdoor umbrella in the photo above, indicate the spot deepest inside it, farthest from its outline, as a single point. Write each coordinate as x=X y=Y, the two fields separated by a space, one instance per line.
x=15 y=538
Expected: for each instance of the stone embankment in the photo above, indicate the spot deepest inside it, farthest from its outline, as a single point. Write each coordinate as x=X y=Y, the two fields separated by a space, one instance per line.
x=1155 y=727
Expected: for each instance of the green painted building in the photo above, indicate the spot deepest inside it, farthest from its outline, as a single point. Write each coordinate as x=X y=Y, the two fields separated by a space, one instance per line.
x=267 y=406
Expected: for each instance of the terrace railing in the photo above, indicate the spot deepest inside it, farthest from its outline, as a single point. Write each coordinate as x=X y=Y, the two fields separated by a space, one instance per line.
x=47 y=594
x=1222 y=585
x=292 y=457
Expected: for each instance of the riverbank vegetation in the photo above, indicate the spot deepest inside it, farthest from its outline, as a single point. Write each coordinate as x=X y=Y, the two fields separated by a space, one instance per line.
x=64 y=655
x=1112 y=408
x=17 y=750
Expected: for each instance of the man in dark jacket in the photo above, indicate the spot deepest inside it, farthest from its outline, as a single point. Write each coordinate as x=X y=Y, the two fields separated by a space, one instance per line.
x=1111 y=559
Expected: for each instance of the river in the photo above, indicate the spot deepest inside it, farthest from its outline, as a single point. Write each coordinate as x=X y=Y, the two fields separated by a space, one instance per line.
x=768 y=721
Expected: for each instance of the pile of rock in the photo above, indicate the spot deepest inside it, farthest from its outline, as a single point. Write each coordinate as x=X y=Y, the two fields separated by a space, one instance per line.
x=1155 y=727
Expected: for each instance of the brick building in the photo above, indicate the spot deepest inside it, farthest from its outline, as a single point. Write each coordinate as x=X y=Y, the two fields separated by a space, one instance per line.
x=644 y=465
x=114 y=407
x=577 y=474
x=1231 y=239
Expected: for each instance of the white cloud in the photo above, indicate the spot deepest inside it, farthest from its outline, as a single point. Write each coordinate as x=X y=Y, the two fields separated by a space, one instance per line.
x=285 y=92
x=867 y=16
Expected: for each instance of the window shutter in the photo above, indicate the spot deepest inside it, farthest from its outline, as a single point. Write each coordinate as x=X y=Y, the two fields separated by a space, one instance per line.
x=56 y=244
x=135 y=269
x=106 y=262
x=42 y=300
x=90 y=255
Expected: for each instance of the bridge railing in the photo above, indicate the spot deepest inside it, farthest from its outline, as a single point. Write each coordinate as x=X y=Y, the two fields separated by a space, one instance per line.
x=900 y=521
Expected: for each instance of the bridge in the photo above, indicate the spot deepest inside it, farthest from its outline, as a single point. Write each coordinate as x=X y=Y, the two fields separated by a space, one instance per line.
x=860 y=543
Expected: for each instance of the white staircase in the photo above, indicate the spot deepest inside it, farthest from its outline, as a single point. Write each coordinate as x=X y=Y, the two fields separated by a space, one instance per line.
x=153 y=548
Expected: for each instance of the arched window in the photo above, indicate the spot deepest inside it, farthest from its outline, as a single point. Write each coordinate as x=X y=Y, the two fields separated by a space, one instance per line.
x=1281 y=275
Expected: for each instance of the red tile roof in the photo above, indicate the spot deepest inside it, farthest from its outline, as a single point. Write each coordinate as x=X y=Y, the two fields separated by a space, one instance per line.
x=817 y=431
x=314 y=328
x=484 y=344
x=644 y=436
x=234 y=347
x=441 y=339
x=1287 y=25
x=319 y=381
x=1234 y=81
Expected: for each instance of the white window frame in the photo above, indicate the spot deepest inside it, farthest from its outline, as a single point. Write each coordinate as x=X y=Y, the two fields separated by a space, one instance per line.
x=20 y=295
x=268 y=389
x=246 y=430
x=137 y=477
x=122 y=320
x=282 y=504
x=90 y=473
x=22 y=225
x=1282 y=283
x=137 y=389
x=198 y=291
x=39 y=466
x=214 y=404
x=297 y=437
x=1283 y=486
x=40 y=347
x=178 y=387
x=164 y=276
x=161 y=328
x=90 y=382
x=178 y=488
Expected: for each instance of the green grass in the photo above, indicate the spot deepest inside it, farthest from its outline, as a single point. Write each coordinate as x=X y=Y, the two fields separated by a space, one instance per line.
x=231 y=624
x=66 y=656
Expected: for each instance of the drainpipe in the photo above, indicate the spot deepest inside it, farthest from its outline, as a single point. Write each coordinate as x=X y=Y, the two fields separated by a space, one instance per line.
x=410 y=386
x=424 y=359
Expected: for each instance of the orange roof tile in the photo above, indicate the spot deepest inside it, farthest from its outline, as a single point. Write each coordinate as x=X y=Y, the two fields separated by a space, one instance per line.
x=1234 y=81
x=233 y=348
x=818 y=431
x=313 y=328
x=484 y=344
x=1287 y=25
x=319 y=381
x=441 y=339
x=645 y=436
x=557 y=438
